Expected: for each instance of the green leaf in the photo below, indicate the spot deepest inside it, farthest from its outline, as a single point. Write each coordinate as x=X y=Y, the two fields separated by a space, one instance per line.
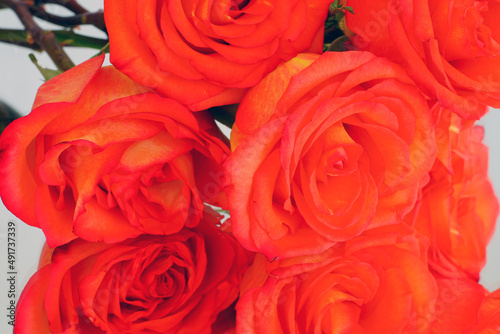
x=70 y=38
x=349 y=9
x=338 y=44
x=46 y=72
x=222 y=211
x=104 y=49
x=65 y=37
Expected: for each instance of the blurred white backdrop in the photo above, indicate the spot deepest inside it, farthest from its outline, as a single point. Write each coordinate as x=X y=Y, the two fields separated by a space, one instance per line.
x=19 y=81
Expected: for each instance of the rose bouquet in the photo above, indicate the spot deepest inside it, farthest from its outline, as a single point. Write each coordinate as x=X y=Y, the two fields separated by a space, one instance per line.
x=351 y=197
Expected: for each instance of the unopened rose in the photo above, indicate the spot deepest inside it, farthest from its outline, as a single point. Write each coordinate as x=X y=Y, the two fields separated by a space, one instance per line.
x=450 y=48
x=322 y=153
x=150 y=284
x=378 y=282
x=206 y=53
x=103 y=158
x=458 y=209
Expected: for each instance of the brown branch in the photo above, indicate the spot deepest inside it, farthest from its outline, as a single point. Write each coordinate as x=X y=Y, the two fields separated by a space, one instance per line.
x=46 y=39
x=24 y=44
x=72 y=5
x=96 y=19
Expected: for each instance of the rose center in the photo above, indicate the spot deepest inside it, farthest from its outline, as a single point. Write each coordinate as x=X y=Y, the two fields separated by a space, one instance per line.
x=341 y=161
x=225 y=11
x=339 y=165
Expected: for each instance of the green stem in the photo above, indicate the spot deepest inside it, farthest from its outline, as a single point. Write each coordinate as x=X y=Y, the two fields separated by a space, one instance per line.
x=64 y=37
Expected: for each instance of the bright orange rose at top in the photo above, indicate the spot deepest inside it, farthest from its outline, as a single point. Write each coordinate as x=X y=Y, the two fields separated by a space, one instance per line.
x=206 y=53
x=347 y=144
x=103 y=158
x=450 y=48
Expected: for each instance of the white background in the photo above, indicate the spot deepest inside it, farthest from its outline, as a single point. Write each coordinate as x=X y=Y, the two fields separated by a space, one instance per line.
x=19 y=81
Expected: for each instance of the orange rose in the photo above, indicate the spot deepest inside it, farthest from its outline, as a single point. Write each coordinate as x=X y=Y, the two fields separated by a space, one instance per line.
x=378 y=282
x=206 y=53
x=458 y=210
x=450 y=48
x=322 y=153
x=489 y=315
x=151 y=284
x=457 y=306
x=103 y=158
